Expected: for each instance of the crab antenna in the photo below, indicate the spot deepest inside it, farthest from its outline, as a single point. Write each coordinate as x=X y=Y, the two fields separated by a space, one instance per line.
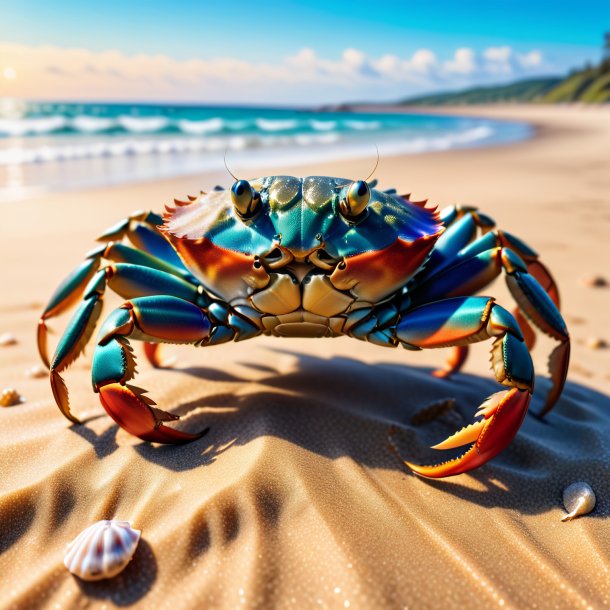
x=376 y=164
x=227 y=167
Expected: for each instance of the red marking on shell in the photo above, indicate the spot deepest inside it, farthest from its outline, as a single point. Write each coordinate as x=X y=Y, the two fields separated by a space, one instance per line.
x=226 y=272
x=374 y=275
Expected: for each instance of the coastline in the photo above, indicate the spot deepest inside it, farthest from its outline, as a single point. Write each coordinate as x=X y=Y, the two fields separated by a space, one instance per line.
x=130 y=148
x=295 y=497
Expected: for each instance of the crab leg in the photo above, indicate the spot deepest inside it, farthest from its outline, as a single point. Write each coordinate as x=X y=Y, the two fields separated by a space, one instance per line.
x=155 y=318
x=128 y=281
x=139 y=229
x=478 y=264
x=463 y=225
x=461 y=321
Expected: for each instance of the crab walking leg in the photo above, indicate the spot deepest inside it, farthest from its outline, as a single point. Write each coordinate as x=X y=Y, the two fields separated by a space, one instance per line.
x=463 y=224
x=71 y=289
x=161 y=318
x=128 y=281
x=141 y=229
x=462 y=321
x=461 y=231
x=473 y=273
x=546 y=280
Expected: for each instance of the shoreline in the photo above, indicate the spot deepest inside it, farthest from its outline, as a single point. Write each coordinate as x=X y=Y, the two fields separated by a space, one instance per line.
x=100 y=160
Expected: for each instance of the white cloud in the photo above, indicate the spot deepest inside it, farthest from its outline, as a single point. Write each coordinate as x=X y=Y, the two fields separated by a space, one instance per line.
x=48 y=72
x=463 y=62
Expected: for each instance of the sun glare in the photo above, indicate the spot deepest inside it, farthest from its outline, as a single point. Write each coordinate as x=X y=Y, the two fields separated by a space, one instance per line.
x=9 y=73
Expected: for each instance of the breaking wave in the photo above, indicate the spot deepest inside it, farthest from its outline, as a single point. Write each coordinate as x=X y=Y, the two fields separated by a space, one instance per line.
x=126 y=124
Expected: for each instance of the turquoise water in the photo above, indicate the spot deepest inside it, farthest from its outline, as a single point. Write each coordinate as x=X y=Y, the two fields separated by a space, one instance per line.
x=47 y=146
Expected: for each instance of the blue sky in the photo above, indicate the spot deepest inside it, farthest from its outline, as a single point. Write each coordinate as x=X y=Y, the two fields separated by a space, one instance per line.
x=534 y=38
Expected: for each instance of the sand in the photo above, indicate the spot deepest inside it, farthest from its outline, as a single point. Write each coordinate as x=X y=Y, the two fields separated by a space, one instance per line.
x=297 y=497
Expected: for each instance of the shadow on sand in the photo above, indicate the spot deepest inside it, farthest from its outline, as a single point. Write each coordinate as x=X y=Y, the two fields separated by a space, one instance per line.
x=344 y=407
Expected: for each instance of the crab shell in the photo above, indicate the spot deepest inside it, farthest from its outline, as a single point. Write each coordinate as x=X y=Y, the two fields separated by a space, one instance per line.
x=300 y=227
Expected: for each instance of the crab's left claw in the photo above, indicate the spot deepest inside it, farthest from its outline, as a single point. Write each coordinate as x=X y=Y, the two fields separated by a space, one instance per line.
x=503 y=414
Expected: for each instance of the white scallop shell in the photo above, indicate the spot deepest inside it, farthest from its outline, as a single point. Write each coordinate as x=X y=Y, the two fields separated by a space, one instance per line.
x=102 y=550
x=7 y=339
x=579 y=499
x=37 y=372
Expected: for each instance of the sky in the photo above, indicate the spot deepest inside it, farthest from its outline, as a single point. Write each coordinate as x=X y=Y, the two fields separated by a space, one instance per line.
x=276 y=53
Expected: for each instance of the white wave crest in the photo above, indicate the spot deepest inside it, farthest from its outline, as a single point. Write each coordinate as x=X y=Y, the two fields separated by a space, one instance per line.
x=276 y=124
x=322 y=125
x=199 y=127
x=143 y=124
x=362 y=125
x=92 y=124
x=32 y=126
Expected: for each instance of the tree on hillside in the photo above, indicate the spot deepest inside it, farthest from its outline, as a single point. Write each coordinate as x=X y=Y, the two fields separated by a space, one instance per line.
x=605 y=63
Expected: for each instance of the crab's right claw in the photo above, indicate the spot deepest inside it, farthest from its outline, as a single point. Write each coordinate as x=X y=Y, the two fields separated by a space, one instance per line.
x=503 y=414
x=133 y=413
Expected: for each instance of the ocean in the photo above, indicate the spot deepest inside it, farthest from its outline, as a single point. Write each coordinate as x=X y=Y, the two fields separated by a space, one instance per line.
x=52 y=147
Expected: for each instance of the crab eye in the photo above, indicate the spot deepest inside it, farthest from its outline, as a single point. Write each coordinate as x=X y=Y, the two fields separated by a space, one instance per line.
x=357 y=199
x=245 y=199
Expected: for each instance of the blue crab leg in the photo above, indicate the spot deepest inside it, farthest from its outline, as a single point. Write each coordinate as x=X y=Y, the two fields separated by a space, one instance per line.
x=462 y=224
x=462 y=321
x=140 y=229
x=154 y=318
x=128 y=281
x=163 y=319
x=73 y=286
x=472 y=274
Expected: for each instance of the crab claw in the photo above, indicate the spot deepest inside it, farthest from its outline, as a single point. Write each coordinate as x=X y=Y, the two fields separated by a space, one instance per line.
x=134 y=415
x=503 y=414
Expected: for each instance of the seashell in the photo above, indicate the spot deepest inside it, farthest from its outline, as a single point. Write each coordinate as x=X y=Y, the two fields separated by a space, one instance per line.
x=9 y=397
x=103 y=550
x=37 y=371
x=595 y=343
x=594 y=281
x=579 y=499
x=7 y=339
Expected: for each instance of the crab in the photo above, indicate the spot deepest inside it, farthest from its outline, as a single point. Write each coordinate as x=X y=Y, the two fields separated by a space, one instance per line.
x=311 y=257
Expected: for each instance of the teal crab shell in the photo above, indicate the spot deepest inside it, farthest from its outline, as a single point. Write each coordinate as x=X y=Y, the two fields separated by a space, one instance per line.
x=301 y=213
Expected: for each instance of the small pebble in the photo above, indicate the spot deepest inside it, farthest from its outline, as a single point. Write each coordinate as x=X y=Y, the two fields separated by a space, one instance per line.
x=7 y=339
x=579 y=499
x=9 y=397
x=37 y=372
x=594 y=281
x=595 y=343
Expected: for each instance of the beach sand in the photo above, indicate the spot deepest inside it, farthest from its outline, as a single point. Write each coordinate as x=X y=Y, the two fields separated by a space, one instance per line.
x=297 y=497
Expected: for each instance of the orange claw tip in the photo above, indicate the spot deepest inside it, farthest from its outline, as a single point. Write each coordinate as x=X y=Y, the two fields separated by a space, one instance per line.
x=60 y=393
x=41 y=337
x=171 y=436
x=505 y=412
x=153 y=351
x=468 y=434
x=558 y=367
x=470 y=460
x=136 y=417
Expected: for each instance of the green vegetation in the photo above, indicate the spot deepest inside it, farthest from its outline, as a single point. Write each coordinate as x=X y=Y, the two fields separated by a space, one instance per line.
x=590 y=84
x=521 y=91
